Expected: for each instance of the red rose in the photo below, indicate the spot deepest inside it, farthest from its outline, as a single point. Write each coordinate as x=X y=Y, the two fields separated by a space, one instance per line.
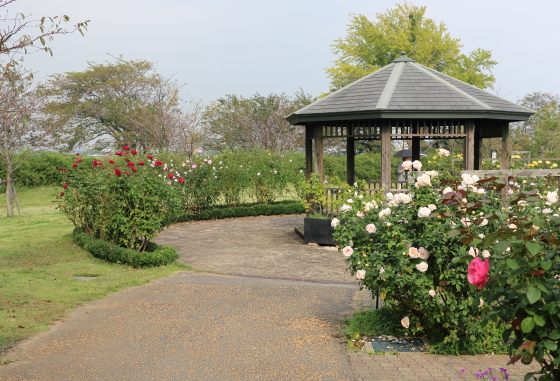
x=478 y=272
x=61 y=194
x=126 y=148
x=79 y=160
x=130 y=164
x=181 y=180
x=158 y=162
x=118 y=153
x=77 y=154
x=134 y=169
x=74 y=165
x=60 y=169
x=64 y=185
x=127 y=173
x=170 y=175
x=150 y=157
x=133 y=152
x=117 y=172
x=111 y=161
x=140 y=163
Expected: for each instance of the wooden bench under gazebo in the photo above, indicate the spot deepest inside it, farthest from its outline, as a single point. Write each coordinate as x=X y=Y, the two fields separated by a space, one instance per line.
x=406 y=100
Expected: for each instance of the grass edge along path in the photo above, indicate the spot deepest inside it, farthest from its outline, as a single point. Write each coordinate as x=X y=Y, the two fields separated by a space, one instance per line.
x=39 y=263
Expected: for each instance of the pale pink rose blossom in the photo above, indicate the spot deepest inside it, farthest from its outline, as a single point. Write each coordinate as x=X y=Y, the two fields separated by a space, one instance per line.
x=423 y=253
x=335 y=222
x=432 y=207
x=347 y=251
x=370 y=228
x=406 y=165
x=361 y=214
x=481 y=303
x=413 y=252
x=443 y=152
x=360 y=274
x=416 y=164
x=473 y=252
x=485 y=254
x=432 y=293
x=465 y=222
x=484 y=222
x=382 y=270
x=405 y=321
x=422 y=267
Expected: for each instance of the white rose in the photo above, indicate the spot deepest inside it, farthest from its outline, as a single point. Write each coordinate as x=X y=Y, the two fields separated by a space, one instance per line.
x=389 y=196
x=384 y=212
x=405 y=321
x=349 y=201
x=360 y=274
x=443 y=152
x=416 y=164
x=382 y=270
x=552 y=197
x=370 y=228
x=432 y=207
x=546 y=211
x=481 y=303
x=345 y=208
x=485 y=254
x=335 y=222
x=473 y=252
x=424 y=212
x=475 y=178
x=465 y=222
x=447 y=190
x=483 y=223
x=432 y=293
x=406 y=165
x=424 y=180
x=361 y=214
x=422 y=267
x=467 y=179
x=480 y=191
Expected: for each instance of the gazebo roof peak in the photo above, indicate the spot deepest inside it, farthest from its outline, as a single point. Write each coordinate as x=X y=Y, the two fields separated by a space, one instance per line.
x=405 y=89
x=403 y=58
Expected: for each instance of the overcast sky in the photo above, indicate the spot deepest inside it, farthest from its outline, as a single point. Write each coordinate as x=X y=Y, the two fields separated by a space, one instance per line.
x=220 y=47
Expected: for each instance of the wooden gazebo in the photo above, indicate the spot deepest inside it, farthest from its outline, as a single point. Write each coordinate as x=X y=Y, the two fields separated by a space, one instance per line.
x=406 y=100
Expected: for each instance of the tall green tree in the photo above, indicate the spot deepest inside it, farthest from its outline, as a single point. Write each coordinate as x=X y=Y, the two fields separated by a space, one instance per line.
x=257 y=122
x=541 y=133
x=370 y=45
x=113 y=100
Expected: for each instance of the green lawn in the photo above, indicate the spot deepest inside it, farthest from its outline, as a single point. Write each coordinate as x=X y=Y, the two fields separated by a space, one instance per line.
x=38 y=266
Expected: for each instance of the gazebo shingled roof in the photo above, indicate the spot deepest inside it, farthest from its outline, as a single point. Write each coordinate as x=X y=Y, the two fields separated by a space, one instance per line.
x=406 y=100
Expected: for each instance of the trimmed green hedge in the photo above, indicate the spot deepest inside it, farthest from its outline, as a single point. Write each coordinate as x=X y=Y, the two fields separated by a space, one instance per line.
x=155 y=256
x=283 y=207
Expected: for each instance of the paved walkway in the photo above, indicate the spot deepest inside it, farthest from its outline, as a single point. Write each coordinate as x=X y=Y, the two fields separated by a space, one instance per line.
x=265 y=324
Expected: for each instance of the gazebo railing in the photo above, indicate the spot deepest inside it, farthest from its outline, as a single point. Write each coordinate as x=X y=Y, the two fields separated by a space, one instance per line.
x=334 y=195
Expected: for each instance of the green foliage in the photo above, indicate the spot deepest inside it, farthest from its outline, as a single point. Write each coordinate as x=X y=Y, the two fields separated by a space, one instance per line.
x=283 y=207
x=375 y=322
x=113 y=98
x=369 y=46
x=524 y=276
x=40 y=169
x=121 y=201
x=154 y=255
x=256 y=122
x=403 y=253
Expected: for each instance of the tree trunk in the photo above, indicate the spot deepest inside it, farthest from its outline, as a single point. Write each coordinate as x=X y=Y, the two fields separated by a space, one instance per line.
x=9 y=193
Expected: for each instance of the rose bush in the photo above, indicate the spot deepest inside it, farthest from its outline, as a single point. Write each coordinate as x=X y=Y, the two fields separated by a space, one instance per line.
x=122 y=199
x=402 y=252
x=521 y=282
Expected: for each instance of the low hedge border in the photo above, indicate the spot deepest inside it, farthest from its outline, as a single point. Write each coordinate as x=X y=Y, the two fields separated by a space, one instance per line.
x=155 y=256
x=284 y=207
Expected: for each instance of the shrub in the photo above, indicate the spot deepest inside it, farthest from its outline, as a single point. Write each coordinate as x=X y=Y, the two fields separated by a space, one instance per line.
x=154 y=255
x=402 y=252
x=40 y=169
x=287 y=207
x=119 y=200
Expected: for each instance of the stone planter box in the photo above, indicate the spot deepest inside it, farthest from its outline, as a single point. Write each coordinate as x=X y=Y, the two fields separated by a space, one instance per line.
x=318 y=231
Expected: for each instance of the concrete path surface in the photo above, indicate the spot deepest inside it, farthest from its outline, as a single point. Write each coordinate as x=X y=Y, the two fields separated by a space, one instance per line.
x=195 y=326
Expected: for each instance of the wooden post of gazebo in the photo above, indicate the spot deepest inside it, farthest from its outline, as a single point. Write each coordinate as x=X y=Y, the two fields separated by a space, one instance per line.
x=350 y=156
x=385 y=155
x=504 y=164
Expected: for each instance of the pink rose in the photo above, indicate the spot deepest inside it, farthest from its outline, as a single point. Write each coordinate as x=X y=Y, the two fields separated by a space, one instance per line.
x=413 y=252
x=361 y=214
x=370 y=228
x=360 y=274
x=423 y=253
x=347 y=251
x=478 y=272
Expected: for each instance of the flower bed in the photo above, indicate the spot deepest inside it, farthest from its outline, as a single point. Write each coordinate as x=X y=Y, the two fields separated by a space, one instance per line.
x=419 y=251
